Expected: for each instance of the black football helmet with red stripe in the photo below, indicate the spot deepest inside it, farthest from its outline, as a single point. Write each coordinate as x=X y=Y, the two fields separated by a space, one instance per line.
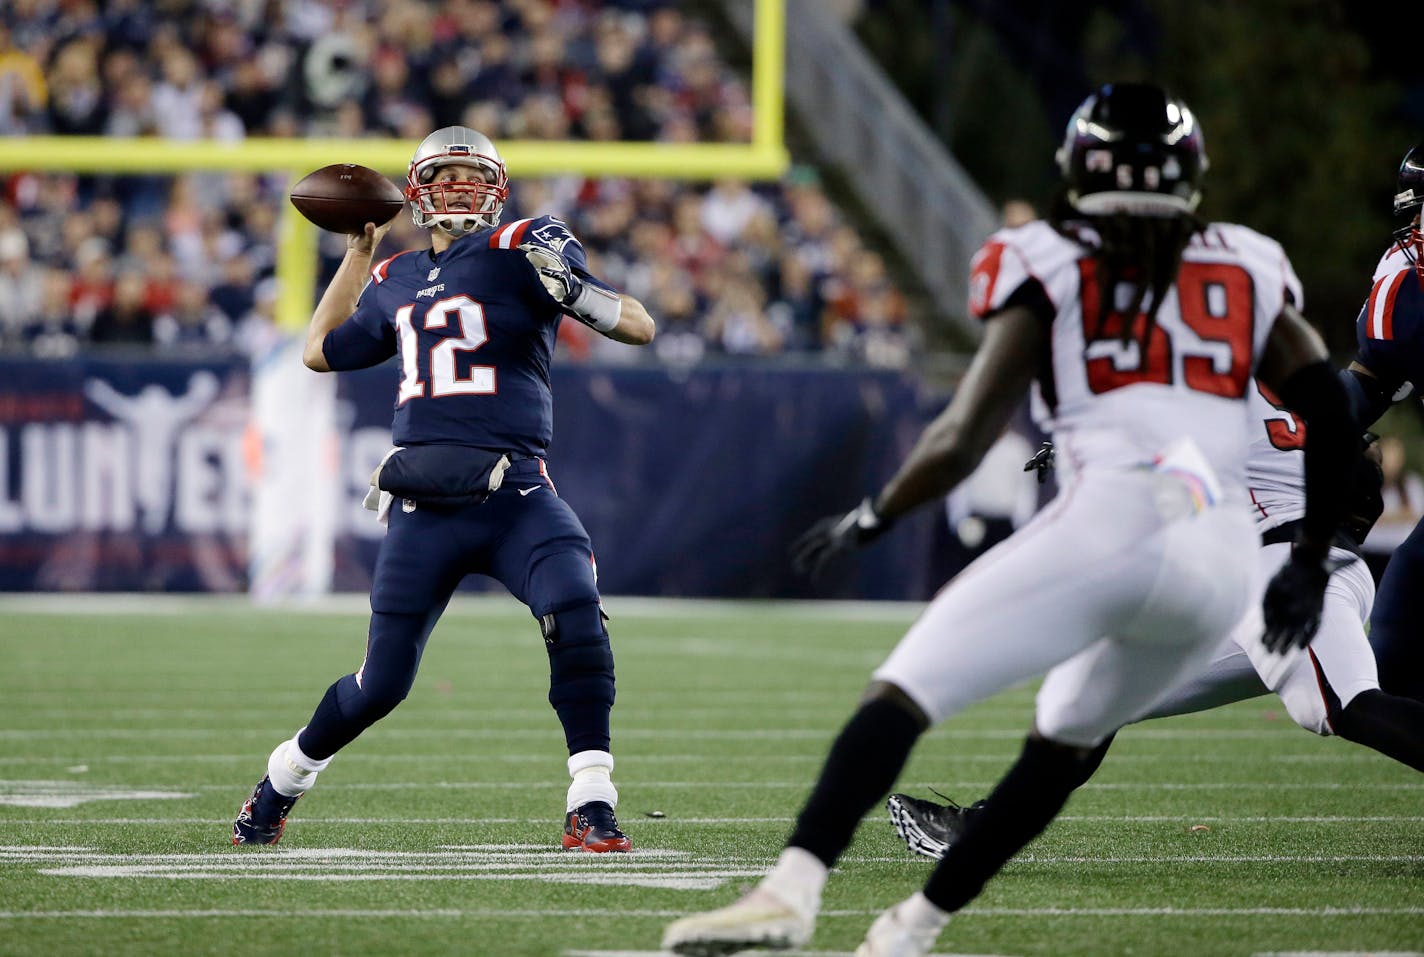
x=1133 y=148
x=1408 y=202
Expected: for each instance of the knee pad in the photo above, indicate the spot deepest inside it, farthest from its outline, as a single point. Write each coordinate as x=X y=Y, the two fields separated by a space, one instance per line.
x=580 y=657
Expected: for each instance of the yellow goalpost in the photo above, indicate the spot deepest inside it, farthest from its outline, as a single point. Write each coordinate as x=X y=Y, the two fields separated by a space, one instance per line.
x=764 y=158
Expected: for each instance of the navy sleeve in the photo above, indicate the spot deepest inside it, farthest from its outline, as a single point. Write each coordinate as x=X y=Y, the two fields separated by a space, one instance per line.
x=365 y=339
x=1390 y=331
x=351 y=346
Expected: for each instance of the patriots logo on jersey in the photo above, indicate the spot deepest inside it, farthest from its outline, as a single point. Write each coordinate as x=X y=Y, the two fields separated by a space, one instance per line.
x=552 y=234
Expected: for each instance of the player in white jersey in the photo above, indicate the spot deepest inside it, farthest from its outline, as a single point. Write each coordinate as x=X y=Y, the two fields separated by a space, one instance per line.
x=1330 y=687
x=1140 y=330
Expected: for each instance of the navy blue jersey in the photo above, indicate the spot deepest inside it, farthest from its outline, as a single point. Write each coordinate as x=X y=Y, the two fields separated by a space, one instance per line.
x=1390 y=330
x=475 y=333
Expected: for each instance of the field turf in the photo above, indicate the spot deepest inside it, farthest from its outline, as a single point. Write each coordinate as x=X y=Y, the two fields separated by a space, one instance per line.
x=132 y=729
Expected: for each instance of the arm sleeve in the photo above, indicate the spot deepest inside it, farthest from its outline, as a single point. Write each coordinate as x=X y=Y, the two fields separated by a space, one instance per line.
x=351 y=346
x=365 y=339
x=1369 y=397
x=1315 y=393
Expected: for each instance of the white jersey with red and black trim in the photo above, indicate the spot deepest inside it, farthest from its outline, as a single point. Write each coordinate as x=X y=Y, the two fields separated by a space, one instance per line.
x=1275 y=465
x=1113 y=403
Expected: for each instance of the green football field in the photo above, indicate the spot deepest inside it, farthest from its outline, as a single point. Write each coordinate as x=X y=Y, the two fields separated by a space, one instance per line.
x=132 y=729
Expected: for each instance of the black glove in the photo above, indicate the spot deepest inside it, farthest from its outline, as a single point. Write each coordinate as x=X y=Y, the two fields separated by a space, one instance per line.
x=1042 y=462
x=835 y=534
x=1366 y=501
x=1294 y=600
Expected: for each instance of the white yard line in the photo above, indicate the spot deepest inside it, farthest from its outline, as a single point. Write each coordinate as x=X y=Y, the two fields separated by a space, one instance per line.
x=489 y=856
x=1328 y=758
x=289 y=913
x=360 y=604
x=657 y=733
x=639 y=819
x=806 y=785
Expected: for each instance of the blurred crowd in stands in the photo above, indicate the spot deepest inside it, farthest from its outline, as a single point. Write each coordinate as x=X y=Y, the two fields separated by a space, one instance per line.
x=187 y=262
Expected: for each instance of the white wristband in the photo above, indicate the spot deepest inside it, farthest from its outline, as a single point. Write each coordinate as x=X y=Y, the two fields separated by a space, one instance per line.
x=598 y=307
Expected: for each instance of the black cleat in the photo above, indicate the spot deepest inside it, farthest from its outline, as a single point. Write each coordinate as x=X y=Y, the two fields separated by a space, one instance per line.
x=592 y=827
x=927 y=828
x=263 y=817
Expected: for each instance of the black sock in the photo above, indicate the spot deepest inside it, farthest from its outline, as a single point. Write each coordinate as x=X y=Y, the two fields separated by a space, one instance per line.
x=1392 y=725
x=864 y=761
x=1016 y=811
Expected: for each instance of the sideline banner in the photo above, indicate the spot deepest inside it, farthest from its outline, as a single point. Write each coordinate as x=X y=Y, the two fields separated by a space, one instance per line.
x=118 y=475
x=695 y=482
x=143 y=476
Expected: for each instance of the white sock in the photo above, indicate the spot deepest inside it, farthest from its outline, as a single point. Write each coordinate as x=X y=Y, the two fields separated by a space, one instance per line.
x=291 y=772
x=798 y=879
x=918 y=911
x=592 y=773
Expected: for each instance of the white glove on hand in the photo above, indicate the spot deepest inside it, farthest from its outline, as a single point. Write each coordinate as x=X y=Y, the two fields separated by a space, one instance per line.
x=554 y=273
x=586 y=302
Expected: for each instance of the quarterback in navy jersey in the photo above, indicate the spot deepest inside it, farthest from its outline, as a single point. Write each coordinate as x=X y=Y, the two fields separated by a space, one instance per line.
x=465 y=490
x=1389 y=367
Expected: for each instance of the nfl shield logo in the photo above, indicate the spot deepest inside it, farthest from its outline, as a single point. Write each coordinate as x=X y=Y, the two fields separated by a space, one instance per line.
x=433 y=273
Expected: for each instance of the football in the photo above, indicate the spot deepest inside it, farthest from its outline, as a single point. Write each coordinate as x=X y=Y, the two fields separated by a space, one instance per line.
x=344 y=197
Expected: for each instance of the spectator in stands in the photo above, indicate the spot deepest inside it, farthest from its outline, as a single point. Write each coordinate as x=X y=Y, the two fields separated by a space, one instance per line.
x=737 y=323
x=92 y=290
x=798 y=306
x=125 y=318
x=727 y=208
x=21 y=287
x=54 y=333
x=178 y=98
x=76 y=96
x=751 y=267
x=193 y=324
x=23 y=92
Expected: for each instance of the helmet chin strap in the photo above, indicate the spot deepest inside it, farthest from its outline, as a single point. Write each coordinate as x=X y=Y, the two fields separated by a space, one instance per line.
x=458 y=226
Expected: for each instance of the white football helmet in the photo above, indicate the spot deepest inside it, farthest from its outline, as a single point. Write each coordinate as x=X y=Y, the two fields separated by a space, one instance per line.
x=457 y=208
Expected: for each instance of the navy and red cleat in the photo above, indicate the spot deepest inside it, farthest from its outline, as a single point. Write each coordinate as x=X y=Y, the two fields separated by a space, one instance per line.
x=263 y=817
x=592 y=827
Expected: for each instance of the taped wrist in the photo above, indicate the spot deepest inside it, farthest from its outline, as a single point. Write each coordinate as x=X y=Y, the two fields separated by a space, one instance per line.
x=597 y=307
x=1317 y=395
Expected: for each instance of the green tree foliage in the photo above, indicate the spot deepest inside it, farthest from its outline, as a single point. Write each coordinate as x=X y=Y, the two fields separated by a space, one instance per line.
x=1301 y=133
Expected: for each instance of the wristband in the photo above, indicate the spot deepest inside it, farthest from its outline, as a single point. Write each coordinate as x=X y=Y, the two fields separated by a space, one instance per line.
x=597 y=307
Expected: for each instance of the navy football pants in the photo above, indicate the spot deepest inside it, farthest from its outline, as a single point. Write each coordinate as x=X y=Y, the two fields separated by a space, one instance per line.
x=531 y=541
x=1397 y=622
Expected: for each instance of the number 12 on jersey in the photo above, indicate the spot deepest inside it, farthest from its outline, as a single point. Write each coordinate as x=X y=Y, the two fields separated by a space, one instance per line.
x=471 y=334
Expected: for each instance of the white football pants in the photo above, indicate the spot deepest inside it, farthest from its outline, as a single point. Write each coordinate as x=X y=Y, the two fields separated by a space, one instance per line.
x=1117 y=586
x=1340 y=654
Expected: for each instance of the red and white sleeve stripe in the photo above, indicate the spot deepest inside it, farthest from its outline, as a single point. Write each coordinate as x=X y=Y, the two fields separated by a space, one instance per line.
x=509 y=236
